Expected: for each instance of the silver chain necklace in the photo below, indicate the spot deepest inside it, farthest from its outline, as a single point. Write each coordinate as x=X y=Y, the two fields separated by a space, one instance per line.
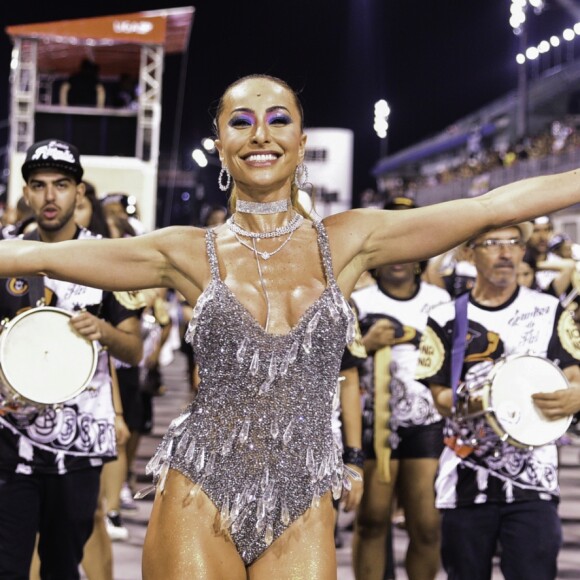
x=288 y=228
x=262 y=208
x=264 y=255
x=262 y=283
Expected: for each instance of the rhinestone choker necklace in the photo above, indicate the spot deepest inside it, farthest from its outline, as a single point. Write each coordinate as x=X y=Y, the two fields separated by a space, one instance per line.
x=262 y=208
x=291 y=226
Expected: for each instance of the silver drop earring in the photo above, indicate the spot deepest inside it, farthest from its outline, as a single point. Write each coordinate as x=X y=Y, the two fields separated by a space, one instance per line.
x=224 y=186
x=301 y=176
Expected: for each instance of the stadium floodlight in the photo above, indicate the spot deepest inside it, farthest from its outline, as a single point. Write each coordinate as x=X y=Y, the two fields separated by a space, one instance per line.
x=568 y=34
x=199 y=157
x=517 y=15
x=532 y=53
x=208 y=144
x=543 y=47
x=381 y=124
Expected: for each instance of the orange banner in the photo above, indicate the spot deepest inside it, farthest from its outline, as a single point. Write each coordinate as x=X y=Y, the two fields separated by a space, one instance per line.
x=136 y=28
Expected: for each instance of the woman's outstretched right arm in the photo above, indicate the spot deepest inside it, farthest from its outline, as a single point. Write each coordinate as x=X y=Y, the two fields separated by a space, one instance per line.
x=147 y=261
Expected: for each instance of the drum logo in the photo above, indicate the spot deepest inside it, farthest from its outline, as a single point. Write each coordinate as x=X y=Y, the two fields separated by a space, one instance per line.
x=431 y=355
x=568 y=334
x=17 y=286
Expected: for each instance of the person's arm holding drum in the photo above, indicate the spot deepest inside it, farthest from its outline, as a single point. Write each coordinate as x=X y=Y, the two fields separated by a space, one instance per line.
x=123 y=341
x=443 y=399
x=564 y=402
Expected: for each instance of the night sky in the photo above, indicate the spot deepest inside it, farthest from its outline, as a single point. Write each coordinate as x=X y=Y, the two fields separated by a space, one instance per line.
x=434 y=61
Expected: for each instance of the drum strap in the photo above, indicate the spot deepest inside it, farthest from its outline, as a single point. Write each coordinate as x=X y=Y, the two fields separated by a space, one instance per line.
x=35 y=283
x=35 y=290
x=459 y=341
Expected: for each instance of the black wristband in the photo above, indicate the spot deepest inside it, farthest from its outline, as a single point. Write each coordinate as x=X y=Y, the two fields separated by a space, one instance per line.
x=354 y=456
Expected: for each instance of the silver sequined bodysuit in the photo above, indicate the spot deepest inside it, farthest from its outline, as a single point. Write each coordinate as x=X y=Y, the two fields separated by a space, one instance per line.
x=258 y=437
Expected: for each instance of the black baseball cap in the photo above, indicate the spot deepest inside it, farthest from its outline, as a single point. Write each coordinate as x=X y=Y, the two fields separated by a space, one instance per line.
x=53 y=154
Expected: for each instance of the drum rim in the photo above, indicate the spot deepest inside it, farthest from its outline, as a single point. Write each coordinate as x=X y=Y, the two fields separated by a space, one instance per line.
x=495 y=423
x=6 y=330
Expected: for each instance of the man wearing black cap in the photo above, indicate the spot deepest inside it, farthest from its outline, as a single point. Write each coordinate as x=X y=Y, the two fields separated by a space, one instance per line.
x=51 y=458
x=486 y=358
x=53 y=154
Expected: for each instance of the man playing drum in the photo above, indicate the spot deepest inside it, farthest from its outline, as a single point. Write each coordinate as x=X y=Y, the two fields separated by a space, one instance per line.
x=498 y=477
x=51 y=455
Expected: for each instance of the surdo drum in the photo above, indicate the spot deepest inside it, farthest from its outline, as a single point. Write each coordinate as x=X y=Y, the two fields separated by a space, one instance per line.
x=504 y=398
x=43 y=361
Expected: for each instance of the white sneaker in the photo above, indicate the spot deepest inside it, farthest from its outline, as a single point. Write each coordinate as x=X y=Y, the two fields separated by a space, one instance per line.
x=126 y=497
x=115 y=529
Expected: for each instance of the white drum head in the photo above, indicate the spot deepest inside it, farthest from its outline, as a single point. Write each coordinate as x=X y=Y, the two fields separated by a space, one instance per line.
x=513 y=384
x=43 y=359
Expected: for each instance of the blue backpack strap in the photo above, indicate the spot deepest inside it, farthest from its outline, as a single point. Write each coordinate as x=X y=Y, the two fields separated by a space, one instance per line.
x=459 y=341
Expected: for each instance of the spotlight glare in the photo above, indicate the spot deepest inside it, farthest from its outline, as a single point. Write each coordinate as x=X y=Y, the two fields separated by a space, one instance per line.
x=568 y=34
x=382 y=108
x=520 y=58
x=554 y=41
x=532 y=53
x=543 y=47
x=208 y=144
x=517 y=21
x=199 y=157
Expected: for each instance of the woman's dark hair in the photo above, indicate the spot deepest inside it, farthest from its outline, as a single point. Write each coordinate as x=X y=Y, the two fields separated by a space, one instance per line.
x=421 y=266
x=398 y=204
x=98 y=223
x=209 y=210
x=220 y=108
x=121 y=227
x=530 y=259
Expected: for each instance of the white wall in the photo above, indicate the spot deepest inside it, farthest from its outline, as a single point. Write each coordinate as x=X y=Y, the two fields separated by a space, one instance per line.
x=329 y=157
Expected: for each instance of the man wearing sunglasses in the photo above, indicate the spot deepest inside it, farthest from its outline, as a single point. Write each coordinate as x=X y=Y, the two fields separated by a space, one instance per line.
x=497 y=484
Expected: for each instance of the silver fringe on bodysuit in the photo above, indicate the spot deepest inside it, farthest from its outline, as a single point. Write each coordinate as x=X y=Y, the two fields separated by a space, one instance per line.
x=258 y=439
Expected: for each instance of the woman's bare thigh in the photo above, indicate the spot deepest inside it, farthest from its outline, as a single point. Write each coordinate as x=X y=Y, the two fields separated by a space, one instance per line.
x=305 y=551
x=183 y=538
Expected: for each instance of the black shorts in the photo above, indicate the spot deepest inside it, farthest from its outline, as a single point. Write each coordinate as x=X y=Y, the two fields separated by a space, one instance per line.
x=130 y=396
x=417 y=442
